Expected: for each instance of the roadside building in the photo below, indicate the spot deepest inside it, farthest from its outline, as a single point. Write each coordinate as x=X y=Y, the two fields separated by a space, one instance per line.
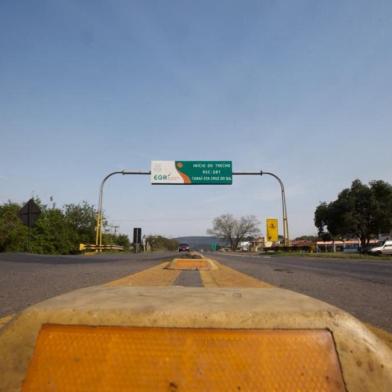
x=348 y=246
x=258 y=244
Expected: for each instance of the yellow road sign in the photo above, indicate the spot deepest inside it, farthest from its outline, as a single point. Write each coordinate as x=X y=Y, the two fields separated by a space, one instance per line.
x=272 y=229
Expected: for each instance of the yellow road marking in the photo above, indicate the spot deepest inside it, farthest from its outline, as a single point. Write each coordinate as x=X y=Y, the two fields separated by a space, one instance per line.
x=154 y=276
x=189 y=264
x=228 y=277
x=4 y=320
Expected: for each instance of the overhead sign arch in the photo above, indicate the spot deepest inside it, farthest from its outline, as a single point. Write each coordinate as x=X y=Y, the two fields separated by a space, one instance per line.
x=189 y=173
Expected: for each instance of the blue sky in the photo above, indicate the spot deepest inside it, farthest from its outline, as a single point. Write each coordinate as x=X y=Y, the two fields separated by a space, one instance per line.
x=300 y=88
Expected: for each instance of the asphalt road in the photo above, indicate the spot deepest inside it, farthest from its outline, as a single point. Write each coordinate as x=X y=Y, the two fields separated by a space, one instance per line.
x=27 y=279
x=363 y=288
x=189 y=279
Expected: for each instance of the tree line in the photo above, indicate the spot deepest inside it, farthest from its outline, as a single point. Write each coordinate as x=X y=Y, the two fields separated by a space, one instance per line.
x=362 y=211
x=56 y=231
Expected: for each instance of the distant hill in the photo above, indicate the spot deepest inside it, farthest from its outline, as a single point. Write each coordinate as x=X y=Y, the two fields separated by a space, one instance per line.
x=200 y=242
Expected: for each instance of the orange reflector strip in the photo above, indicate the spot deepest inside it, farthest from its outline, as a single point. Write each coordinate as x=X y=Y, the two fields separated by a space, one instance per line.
x=80 y=358
x=189 y=264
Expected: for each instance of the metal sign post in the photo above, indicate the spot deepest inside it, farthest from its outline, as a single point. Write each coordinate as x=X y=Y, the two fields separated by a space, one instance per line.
x=29 y=213
x=189 y=172
x=284 y=206
x=98 y=228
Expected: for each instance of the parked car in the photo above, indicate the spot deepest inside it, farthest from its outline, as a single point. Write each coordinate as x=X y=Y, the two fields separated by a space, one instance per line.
x=184 y=248
x=384 y=249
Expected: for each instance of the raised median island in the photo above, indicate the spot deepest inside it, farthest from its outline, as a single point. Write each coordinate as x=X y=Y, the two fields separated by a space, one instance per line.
x=140 y=333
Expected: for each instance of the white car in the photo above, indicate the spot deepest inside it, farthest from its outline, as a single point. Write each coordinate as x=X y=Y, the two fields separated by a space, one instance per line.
x=384 y=249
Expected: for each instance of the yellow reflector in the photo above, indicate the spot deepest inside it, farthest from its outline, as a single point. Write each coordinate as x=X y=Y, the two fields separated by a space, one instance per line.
x=81 y=358
x=190 y=264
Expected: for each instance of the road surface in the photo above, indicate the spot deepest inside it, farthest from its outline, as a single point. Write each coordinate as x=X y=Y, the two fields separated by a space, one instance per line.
x=26 y=279
x=363 y=288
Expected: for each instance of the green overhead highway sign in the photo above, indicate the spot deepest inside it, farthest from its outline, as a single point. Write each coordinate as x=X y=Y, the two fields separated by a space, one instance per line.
x=191 y=172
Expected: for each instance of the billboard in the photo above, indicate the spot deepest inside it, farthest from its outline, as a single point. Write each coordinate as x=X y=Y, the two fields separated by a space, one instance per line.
x=191 y=172
x=272 y=229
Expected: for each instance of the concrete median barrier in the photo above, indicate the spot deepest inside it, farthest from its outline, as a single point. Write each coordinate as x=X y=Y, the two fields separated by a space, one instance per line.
x=192 y=264
x=362 y=361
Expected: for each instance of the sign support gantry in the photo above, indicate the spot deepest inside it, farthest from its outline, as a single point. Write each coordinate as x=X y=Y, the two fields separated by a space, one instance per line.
x=98 y=228
x=99 y=218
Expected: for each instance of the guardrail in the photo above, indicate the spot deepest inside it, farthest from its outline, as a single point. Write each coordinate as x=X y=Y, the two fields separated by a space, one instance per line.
x=88 y=247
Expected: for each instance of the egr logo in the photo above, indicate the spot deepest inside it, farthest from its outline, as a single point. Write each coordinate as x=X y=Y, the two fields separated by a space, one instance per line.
x=161 y=177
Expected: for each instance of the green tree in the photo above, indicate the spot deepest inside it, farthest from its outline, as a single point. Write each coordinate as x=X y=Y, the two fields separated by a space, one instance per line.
x=56 y=231
x=363 y=211
x=158 y=242
x=51 y=234
x=13 y=233
x=61 y=230
x=116 y=239
x=123 y=240
x=234 y=230
x=80 y=220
